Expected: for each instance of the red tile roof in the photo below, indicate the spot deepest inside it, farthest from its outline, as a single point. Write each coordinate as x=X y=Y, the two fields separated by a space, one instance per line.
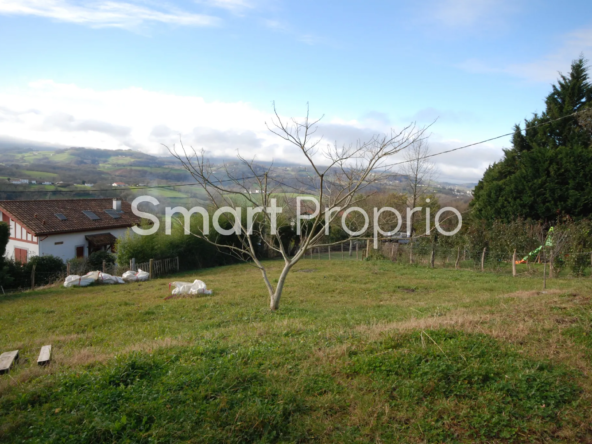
x=39 y=216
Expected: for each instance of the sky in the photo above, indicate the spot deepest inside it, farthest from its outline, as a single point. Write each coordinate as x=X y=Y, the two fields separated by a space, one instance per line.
x=143 y=74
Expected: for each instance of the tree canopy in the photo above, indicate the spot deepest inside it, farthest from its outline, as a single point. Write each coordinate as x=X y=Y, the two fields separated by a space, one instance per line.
x=547 y=172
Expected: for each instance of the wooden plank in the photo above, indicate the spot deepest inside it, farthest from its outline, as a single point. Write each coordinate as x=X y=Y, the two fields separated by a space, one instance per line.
x=44 y=355
x=7 y=359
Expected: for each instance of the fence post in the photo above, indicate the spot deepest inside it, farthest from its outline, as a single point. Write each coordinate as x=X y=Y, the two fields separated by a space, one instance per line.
x=311 y=252
x=483 y=259
x=329 y=252
x=150 y=268
x=544 y=269
x=393 y=252
x=103 y=266
x=342 y=251
x=177 y=264
x=551 y=265
x=367 y=247
x=433 y=255
x=410 y=251
x=319 y=252
x=357 y=257
x=33 y=277
x=457 y=258
x=514 y=263
x=351 y=248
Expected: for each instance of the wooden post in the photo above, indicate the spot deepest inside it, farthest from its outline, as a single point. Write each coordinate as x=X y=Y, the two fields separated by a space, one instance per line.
x=33 y=277
x=590 y=264
x=311 y=253
x=367 y=247
x=551 y=266
x=357 y=256
x=396 y=252
x=351 y=248
x=104 y=265
x=151 y=268
x=410 y=251
x=433 y=255
x=319 y=252
x=329 y=252
x=544 y=270
x=514 y=264
x=483 y=259
x=464 y=254
x=393 y=252
x=342 y=251
x=457 y=259
x=177 y=264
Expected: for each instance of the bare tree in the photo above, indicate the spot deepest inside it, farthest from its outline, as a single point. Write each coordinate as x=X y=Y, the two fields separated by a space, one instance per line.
x=337 y=176
x=418 y=171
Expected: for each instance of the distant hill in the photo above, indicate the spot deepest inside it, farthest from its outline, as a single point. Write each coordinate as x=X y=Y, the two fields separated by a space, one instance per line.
x=70 y=169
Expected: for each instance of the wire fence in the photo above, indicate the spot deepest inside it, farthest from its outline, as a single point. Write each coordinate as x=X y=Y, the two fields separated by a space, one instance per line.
x=546 y=261
x=36 y=279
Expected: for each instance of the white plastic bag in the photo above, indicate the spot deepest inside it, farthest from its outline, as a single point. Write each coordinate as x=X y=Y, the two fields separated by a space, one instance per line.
x=135 y=276
x=78 y=281
x=89 y=278
x=195 y=287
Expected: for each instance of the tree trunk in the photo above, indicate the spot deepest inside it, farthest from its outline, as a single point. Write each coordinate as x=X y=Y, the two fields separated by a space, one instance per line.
x=277 y=293
x=483 y=259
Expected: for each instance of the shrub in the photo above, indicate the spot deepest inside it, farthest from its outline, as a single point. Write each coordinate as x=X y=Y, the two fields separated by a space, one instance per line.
x=96 y=259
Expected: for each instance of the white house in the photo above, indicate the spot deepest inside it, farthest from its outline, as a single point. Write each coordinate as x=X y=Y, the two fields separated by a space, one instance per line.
x=66 y=228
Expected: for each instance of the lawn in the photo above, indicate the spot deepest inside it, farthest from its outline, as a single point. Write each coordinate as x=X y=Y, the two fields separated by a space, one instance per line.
x=360 y=351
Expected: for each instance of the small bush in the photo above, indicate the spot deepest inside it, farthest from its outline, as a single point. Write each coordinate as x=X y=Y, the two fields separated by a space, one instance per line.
x=96 y=259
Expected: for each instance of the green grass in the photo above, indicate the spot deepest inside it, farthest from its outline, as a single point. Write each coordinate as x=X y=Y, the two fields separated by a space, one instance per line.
x=360 y=351
x=40 y=174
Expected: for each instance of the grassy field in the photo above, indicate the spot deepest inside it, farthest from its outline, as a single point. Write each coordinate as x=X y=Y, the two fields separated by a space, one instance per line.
x=366 y=351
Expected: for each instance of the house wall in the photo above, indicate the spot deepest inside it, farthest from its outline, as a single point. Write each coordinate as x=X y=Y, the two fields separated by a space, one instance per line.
x=19 y=238
x=32 y=249
x=64 y=245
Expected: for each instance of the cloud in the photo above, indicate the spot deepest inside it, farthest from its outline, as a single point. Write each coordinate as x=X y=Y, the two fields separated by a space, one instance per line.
x=308 y=38
x=49 y=113
x=430 y=115
x=103 y=13
x=229 y=5
x=66 y=122
x=545 y=69
x=466 y=14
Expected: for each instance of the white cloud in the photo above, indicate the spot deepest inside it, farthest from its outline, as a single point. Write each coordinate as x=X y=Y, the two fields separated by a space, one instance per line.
x=467 y=14
x=103 y=13
x=546 y=68
x=230 y=5
x=46 y=112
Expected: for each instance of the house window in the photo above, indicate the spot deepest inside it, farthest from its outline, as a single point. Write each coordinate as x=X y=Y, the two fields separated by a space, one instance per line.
x=20 y=255
x=79 y=252
x=59 y=243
